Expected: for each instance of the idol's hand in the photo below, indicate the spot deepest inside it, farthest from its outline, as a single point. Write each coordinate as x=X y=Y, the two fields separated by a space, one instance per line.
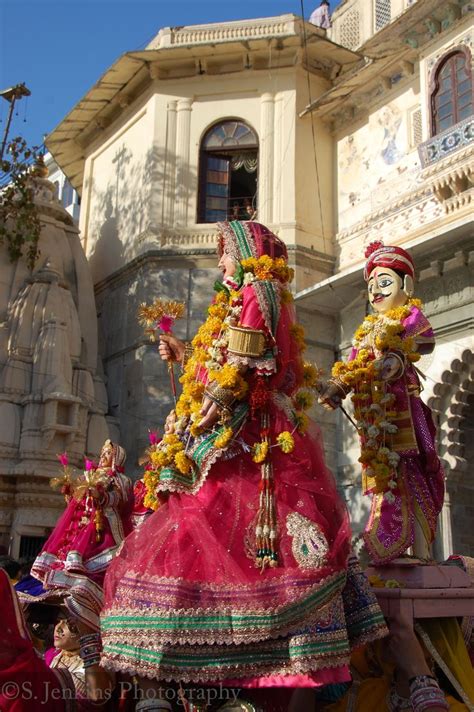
x=330 y=396
x=171 y=348
x=210 y=413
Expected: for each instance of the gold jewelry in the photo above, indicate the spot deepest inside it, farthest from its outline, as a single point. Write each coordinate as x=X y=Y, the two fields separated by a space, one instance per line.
x=246 y=342
x=222 y=397
x=188 y=352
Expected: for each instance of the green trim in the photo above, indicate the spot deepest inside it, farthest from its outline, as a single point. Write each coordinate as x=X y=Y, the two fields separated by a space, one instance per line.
x=242 y=242
x=215 y=656
x=274 y=302
x=233 y=621
x=200 y=451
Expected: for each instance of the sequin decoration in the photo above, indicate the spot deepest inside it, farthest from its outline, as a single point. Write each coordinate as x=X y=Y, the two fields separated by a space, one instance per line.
x=309 y=545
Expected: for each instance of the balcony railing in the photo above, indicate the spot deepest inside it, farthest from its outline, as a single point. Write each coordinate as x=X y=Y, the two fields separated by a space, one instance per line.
x=446 y=142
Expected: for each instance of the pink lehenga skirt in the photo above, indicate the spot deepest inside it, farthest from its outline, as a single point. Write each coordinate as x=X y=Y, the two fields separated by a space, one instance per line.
x=185 y=601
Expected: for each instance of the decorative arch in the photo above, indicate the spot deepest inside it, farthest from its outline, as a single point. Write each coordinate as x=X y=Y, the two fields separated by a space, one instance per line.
x=228 y=172
x=451 y=90
x=452 y=403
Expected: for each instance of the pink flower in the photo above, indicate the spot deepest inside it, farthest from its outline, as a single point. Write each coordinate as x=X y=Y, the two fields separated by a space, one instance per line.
x=153 y=437
x=63 y=459
x=165 y=324
x=90 y=465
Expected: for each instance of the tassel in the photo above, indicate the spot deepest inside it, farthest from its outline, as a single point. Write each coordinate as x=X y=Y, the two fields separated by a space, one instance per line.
x=266 y=527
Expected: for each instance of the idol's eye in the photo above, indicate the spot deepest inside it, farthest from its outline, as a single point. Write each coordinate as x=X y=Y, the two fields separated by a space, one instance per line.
x=371 y=287
x=385 y=282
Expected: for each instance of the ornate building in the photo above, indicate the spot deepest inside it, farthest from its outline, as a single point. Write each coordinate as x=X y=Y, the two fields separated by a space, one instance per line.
x=330 y=139
x=202 y=125
x=402 y=127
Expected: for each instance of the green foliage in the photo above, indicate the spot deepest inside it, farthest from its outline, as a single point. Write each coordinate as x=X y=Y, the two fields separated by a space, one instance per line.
x=20 y=225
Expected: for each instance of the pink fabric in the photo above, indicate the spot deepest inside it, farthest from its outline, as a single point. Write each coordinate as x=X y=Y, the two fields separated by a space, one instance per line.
x=287 y=377
x=207 y=537
x=25 y=679
x=323 y=677
x=266 y=242
x=50 y=654
x=140 y=512
x=201 y=537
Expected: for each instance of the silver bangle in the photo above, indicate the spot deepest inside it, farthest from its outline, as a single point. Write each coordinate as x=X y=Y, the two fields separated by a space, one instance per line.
x=153 y=706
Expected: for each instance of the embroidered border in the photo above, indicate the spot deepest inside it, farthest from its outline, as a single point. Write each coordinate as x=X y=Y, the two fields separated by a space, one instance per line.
x=204 y=455
x=221 y=621
x=319 y=646
x=269 y=302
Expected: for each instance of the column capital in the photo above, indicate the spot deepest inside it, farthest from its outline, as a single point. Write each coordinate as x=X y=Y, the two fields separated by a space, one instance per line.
x=185 y=104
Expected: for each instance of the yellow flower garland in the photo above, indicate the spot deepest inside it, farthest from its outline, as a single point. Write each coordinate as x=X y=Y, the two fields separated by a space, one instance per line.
x=286 y=442
x=207 y=357
x=378 y=334
x=265 y=267
x=170 y=452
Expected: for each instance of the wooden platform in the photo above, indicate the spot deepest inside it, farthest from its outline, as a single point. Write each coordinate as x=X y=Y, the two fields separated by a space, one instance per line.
x=425 y=590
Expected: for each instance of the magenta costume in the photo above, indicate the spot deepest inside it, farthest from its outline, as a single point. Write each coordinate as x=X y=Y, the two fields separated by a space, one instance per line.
x=184 y=600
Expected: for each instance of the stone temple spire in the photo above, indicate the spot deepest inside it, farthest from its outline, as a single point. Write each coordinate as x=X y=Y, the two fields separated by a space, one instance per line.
x=51 y=397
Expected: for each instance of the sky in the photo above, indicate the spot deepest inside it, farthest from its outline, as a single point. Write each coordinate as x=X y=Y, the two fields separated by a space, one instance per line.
x=60 y=48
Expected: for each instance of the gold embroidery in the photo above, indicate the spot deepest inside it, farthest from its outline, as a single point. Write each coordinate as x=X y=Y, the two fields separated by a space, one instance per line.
x=309 y=545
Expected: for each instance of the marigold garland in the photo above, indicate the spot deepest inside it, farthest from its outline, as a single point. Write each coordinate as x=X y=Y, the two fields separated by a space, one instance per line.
x=266 y=268
x=260 y=451
x=376 y=336
x=208 y=363
x=286 y=442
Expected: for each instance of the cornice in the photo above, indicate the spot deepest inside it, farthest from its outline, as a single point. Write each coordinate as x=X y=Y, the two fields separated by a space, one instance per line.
x=391 y=53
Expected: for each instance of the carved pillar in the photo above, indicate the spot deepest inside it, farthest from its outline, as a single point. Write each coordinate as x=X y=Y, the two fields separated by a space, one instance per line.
x=265 y=204
x=182 y=160
x=170 y=177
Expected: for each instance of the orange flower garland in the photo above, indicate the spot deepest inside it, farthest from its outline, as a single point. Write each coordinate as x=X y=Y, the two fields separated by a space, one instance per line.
x=373 y=406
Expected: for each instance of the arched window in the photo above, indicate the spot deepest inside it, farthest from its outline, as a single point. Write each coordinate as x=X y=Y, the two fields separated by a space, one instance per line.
x=451 y=97
x=228 y=167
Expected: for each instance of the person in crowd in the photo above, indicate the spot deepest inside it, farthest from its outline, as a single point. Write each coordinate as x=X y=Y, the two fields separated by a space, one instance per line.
x=12 y=567
x=67 y=677
x=320 y=16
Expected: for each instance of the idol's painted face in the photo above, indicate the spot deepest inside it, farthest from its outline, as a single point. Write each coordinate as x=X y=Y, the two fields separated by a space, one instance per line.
x=385 y=290
x=106 y=456
x=227 y=265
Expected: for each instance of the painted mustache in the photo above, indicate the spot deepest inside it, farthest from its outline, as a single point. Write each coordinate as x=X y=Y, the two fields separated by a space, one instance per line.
x=379 y=296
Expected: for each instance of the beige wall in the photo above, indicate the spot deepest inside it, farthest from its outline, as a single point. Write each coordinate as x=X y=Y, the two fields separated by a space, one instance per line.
x=141 y=176
x=116 y=206
x=314 y=171
x=377 y=157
